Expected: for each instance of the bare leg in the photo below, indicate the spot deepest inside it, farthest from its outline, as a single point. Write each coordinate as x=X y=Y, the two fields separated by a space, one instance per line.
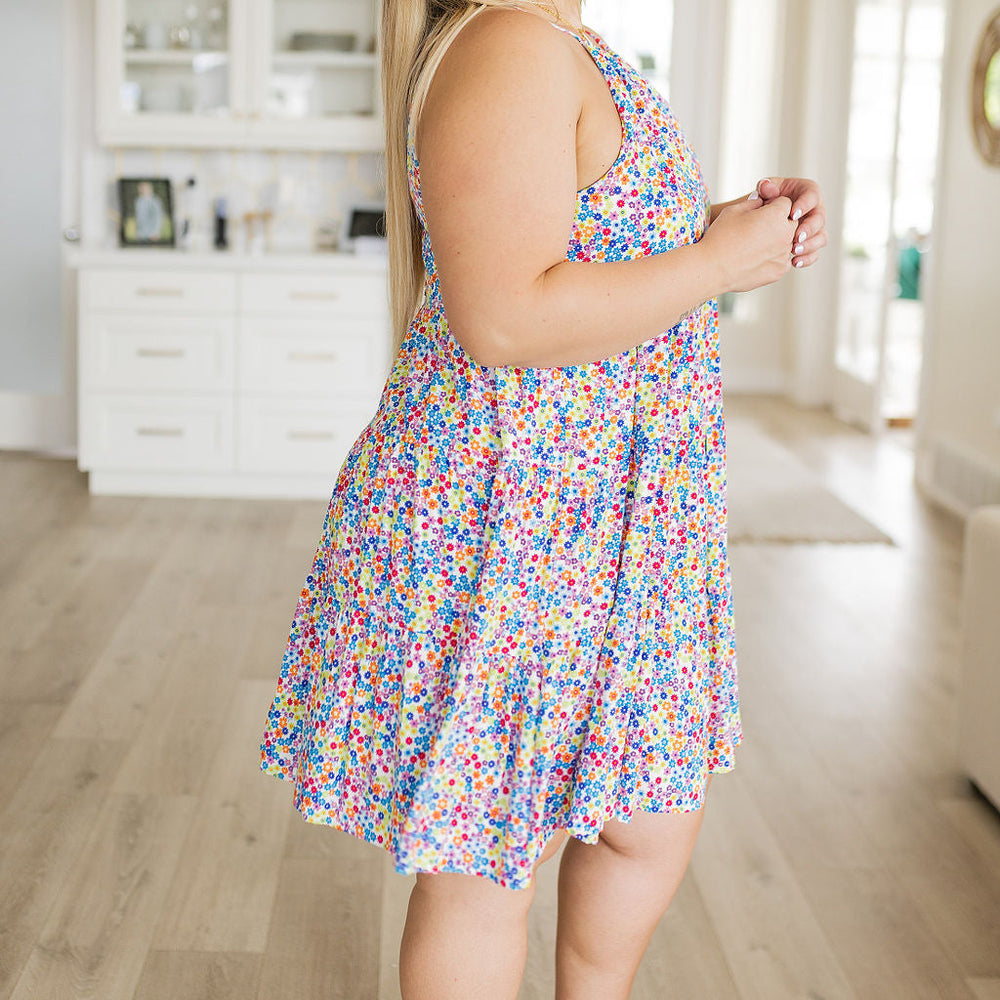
x=611 y=897
x=465 y=936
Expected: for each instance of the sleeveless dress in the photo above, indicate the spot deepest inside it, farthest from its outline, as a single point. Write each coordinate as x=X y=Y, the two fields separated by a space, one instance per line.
x=519 y=615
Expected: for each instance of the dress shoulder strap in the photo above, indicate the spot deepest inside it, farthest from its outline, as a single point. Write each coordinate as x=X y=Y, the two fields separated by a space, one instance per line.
x=555 y=24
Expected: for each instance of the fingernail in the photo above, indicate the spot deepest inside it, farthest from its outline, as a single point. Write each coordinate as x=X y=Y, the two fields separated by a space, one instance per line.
x=798 y=249
x=798 y=263
x=752 y=196
x=802 y=236
x=797 y=215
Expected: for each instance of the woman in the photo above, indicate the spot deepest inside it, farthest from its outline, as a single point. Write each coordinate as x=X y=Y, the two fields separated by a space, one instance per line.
x=518 y=625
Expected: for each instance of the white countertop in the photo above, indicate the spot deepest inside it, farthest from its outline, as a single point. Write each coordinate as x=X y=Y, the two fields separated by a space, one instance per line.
x=167 y=257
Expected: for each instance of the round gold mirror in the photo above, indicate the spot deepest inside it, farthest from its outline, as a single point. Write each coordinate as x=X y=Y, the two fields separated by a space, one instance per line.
x=986 y=92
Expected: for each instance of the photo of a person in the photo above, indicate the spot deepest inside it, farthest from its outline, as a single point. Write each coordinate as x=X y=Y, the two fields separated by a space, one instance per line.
x=149 y=213
x=146 y=207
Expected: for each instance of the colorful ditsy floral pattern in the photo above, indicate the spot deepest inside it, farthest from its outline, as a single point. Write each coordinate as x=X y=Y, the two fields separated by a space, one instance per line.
x=519 y=614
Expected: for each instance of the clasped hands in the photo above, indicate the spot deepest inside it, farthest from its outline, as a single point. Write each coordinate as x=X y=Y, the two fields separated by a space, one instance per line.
x=807 y=206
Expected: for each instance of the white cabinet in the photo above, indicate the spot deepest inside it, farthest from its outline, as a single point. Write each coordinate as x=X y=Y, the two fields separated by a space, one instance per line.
x=215 y=377
x=272 y=74
x=122 y=432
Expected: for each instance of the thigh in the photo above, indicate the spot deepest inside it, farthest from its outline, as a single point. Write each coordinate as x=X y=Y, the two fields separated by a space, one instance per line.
x=552 y=847
x=664 y=839
x=475 y=892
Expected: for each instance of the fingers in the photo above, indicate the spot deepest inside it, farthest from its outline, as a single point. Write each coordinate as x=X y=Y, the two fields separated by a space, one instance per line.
x=782 y=201
x=810 y=244
x=812 y=225
x=767 y=188
x=808 y=201
x=803 y=194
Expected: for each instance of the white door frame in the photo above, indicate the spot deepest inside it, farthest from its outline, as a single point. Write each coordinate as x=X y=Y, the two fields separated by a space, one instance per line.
x=824 y=75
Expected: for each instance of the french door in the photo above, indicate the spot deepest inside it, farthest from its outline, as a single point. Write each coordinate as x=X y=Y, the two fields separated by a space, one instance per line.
x=888 y=207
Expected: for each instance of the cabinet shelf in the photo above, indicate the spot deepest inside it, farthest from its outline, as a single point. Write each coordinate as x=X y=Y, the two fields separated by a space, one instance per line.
x=174 y=57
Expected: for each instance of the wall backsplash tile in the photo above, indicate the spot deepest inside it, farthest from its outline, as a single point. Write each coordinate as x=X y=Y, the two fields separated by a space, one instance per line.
x=303 y=190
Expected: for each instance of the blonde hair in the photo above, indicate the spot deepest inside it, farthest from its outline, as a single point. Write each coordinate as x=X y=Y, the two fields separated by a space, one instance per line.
x=414 y=37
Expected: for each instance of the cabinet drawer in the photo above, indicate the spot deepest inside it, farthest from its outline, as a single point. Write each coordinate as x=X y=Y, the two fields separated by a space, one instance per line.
x=313 y=356
x=361 y=295
x=179 y=353
x=157 y=291
x=168 y=433
x=297 y=436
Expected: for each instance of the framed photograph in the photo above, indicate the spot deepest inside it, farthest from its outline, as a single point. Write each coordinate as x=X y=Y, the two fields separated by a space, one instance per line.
x=146 y=208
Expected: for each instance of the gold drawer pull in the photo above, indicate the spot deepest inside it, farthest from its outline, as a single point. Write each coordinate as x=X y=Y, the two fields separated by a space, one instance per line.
x=160 y=431
x=160 y=352
x=311 y=435
x=311 y=356
x=314 y=296
x=171 y=293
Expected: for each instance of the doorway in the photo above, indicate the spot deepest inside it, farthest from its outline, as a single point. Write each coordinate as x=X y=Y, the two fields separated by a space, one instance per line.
x=888 y=209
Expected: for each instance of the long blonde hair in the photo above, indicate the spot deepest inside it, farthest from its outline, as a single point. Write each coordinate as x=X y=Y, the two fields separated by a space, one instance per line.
x=414 y=37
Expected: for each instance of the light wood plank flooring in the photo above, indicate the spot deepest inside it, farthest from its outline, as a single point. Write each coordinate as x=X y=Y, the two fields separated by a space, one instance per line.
x=143 y=855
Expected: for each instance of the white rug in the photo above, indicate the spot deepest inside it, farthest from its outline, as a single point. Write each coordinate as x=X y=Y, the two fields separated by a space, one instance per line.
x=773 y=497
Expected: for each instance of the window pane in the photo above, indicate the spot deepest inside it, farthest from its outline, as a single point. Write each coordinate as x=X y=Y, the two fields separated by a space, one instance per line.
x=640 y=30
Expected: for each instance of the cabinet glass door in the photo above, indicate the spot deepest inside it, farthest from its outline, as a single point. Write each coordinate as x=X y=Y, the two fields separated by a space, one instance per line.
x=321 y=60
x=177 y=58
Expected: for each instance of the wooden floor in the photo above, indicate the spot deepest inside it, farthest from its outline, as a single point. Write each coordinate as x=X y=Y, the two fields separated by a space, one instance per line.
x=144 y=855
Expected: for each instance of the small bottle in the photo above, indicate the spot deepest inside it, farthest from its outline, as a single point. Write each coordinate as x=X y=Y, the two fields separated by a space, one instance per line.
x=221 y=242
x=186 y=223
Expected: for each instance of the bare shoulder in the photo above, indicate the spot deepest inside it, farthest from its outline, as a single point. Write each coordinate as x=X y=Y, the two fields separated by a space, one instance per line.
x=508 y=54
x=504 y=30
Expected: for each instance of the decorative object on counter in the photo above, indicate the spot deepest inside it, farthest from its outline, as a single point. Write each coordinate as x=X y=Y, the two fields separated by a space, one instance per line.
x=180 y=36
x=155 y=35
x=132 y=38
x=217 y=34
x=221 y=212
x=185 y=198
x=365 y=230
x=322 y=41
x=131 y=96
x=258 y=231
x=146 y=212
x=327 y=235
x=196 y=33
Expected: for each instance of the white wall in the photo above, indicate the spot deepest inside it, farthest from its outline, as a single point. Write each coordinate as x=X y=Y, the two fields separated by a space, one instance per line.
x=30 y=324
x=961 y=384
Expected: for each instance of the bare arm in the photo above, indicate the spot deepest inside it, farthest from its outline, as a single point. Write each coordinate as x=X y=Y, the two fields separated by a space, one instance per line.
x=498 y=178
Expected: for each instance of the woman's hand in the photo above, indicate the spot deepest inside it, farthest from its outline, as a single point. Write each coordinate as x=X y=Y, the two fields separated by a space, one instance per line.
x=807 y=206
x=749 y=242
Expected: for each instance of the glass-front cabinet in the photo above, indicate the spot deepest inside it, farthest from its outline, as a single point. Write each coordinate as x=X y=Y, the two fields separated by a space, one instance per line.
x=297 y=74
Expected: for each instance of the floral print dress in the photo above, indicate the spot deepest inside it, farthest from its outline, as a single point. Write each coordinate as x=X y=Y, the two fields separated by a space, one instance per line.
x=519 y=615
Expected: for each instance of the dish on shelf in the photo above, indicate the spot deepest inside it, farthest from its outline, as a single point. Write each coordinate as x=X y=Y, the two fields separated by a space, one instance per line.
x=322 y=41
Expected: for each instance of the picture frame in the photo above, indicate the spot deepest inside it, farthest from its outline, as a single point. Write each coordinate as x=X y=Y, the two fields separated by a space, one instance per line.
x=364 y=230
x=146 y=212
x=986 y=92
